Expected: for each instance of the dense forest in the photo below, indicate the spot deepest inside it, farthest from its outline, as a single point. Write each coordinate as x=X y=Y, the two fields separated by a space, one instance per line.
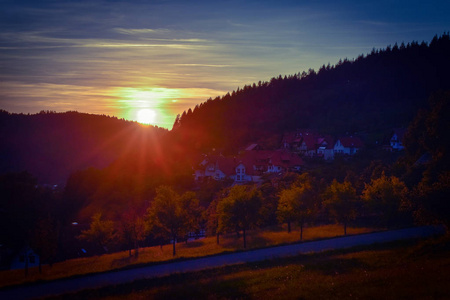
x=367 y=95
x=120 y=177
x=52 y=145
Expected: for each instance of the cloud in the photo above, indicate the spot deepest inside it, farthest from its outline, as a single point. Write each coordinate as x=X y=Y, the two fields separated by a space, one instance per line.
x=142 y=31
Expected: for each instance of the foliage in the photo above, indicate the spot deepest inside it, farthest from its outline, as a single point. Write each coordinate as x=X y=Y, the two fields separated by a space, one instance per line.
x=239 y=210
x=133 y=230
x=384 y=197
x=269 y=203
x=191 y=207
x=431 y=203
x=100 y=231
x=341 y=201
x=297 y=203
x=212 y=217
x=428 y=134
x=44 y=240
x=427 y=143
x=30 y=215
x=172 y=215
x=383 y=89
x=18 y=201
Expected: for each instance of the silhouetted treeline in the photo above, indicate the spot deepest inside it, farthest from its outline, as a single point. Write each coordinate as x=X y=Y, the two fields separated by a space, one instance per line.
x=52 y=145
x=375 y=92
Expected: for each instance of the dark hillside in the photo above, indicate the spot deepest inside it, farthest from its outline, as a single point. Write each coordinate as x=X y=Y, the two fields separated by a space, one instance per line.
x=53 y=145
x=371 y=94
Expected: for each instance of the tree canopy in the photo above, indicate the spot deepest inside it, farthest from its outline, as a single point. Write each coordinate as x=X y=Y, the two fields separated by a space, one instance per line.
x=239 y=210
x=341 y=201
x=172 y=215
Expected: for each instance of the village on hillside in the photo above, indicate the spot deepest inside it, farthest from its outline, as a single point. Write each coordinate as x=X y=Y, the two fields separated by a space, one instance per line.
x=254 y=162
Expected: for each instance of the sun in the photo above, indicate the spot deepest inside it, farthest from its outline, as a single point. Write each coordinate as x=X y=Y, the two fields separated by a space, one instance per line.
x=146 y=116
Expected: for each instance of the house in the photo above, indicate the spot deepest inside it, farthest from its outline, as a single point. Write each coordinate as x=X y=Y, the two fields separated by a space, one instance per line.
x=215 y=167
x=25 y=258
x=219 y=167
x=248 y=167
x=243 y=173
x=299 y=141
x=325 y=148
x=397 y=138
x=308 y=146
x=291 y=141
x=348 y=145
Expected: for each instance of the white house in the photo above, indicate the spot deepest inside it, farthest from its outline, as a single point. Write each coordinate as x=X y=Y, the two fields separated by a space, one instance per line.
x=325 y=148
x=347 y=145
x=242 y=173
x=396 y=139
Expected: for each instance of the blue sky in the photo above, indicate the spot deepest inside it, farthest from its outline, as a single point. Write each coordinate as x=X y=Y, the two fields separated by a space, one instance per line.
x=119 y=57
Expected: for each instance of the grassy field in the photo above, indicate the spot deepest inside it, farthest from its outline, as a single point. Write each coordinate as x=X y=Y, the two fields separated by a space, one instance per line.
x=202 y=247
x=402 y=270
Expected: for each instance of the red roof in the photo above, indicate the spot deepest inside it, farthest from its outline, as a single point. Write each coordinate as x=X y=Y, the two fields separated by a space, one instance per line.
x=310 y=141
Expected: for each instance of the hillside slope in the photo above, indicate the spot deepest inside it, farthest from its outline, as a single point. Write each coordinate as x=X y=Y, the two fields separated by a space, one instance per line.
x=53 y=145
x=371 y=94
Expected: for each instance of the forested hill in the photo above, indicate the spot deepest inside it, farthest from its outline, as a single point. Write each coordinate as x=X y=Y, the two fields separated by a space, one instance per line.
x=371 y=94
x=52 y=145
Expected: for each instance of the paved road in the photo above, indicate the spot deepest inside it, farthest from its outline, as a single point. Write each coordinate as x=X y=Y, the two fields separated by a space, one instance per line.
x=100 y=280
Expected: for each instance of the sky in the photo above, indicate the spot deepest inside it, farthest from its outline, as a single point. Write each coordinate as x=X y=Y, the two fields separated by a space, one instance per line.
x=151 y=60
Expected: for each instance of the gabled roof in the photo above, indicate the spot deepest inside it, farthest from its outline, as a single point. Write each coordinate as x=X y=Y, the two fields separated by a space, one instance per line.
x=327 y=142
x=310 y=140
x=252 y=147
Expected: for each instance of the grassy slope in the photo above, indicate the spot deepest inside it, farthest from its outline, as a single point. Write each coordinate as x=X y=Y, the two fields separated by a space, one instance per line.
x=402 y=270
x=203 y=247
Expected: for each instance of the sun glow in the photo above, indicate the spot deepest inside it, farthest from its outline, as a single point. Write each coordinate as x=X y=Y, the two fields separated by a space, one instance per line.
x=157 y=105
x=146 y=116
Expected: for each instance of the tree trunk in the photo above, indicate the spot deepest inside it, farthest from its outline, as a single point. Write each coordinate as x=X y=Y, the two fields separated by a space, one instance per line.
x=26 y=263
x=289 y=226
x=173 y=246
x=129 y=251
x=301 y=231
x=136 y=249
x=245 y=241
x=217 y=238
x=345 y=228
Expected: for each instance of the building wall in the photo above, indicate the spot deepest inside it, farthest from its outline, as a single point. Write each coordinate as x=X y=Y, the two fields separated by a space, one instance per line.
x=19 y=261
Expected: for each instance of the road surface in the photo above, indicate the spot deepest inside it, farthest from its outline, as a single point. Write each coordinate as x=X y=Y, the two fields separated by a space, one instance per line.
x=64 y=286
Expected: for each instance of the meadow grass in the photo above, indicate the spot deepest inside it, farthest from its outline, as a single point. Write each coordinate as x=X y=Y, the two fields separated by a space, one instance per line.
x=400 y=270
x=257 y=238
